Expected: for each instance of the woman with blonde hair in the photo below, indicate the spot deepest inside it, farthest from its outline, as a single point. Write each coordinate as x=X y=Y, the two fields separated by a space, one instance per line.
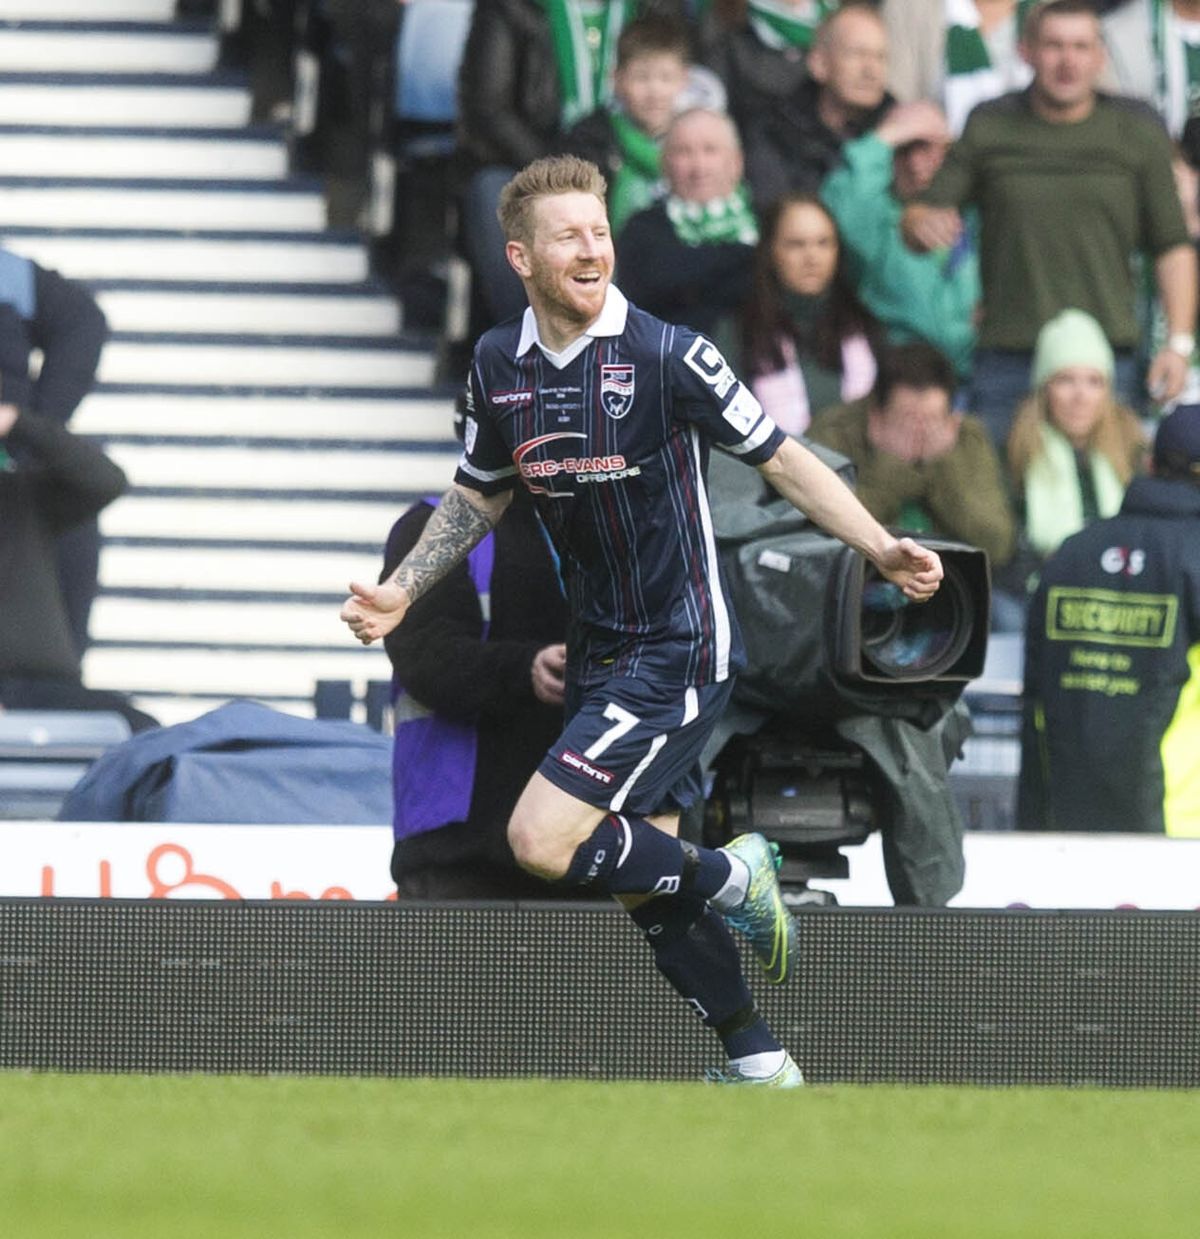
x=1073 y=448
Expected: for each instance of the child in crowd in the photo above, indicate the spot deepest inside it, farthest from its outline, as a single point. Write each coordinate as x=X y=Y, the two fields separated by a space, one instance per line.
x=624 y=139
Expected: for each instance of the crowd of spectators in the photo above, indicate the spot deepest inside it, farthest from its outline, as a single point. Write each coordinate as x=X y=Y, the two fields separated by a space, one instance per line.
x=953 y=174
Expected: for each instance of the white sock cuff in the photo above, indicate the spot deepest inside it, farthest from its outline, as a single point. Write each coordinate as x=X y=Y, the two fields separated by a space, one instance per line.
x=736 y=885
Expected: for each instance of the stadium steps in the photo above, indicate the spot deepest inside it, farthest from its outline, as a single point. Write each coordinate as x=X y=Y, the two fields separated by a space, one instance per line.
x=257 y=386
x=323 y=309
x=90 y=154
x=36 y=204
x=86 y=45
x=88 y=100
x=214 y=257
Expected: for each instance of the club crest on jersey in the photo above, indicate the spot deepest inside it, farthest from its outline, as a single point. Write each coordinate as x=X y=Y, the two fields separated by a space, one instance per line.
x=616 y=389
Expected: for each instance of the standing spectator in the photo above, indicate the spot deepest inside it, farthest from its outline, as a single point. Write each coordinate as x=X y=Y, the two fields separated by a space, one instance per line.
x=807 y=342
x=624 y=139
x=1111 y=708
x=687 y=258
x=955 y=52
x=1154 y=47
x=796 y=141
x=40 y=309
x=932 y=296
x=1070 y=185
x=920 y=466
x=50 y=482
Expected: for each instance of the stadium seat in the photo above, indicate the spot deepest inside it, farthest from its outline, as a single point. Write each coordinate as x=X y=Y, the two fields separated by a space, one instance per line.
x=44 y=753
x=429 y=48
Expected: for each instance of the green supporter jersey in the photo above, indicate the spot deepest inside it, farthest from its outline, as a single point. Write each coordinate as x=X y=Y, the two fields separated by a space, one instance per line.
x=1064 y=208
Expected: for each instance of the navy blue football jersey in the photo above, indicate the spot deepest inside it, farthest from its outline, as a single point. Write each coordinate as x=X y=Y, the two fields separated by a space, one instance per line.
x=614 y=447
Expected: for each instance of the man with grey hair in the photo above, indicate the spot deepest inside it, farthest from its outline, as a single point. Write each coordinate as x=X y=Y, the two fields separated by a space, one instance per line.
x=687 y=259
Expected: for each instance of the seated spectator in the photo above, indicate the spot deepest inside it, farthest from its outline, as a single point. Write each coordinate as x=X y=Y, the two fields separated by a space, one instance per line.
x=796 y=142
x=42 y=310
x=807 y=342
x=479 y=700
x=530 y=70
x=1073 y=448
x=759 y=50
x=1110 y=707
x=931 y=296
x=687 y=258
x=955 y=52
x=50 y=481
x=624 y=139
x=920 y=466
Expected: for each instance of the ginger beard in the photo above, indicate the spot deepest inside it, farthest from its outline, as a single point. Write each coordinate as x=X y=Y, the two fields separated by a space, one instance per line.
x=568 y=265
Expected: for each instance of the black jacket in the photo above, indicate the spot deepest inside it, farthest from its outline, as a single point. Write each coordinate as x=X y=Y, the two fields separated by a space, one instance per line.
x=62 y=481
x=440 y=658
x=756 y=77
x=698 y=286
x=789 y=147
x=69 y=328
x=1110 y=654
x=509 y=98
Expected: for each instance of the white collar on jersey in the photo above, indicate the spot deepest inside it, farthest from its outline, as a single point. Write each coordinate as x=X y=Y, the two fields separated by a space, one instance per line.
x=610 y=323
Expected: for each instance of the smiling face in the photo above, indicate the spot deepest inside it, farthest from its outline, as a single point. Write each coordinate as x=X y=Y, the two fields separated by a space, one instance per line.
x=1075 y=399
x=567 y=263
x=804 y=249
x=649 y=87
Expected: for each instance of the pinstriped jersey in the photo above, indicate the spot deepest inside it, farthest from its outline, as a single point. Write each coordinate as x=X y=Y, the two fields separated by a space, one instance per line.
x=612 y=437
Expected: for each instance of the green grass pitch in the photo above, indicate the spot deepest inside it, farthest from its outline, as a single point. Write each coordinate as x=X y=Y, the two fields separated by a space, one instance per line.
x=171 y=1157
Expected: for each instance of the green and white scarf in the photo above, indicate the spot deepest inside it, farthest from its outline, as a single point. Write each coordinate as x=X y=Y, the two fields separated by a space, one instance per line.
x=970 y=75
x=1053 y=498
x=778 y=26
x=719 y=222
x=585 y=51
x=638 y=181
x=1176 y=67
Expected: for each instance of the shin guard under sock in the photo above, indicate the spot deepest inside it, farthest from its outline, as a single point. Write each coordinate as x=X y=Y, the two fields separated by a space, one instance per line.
x=694 y=950
x=627 y=856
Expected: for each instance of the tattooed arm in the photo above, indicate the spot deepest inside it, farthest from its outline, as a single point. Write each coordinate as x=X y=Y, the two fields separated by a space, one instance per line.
x=462 y=519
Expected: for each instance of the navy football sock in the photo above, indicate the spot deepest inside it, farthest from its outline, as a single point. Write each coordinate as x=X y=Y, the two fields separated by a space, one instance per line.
x=627 y=856
x=694 y=950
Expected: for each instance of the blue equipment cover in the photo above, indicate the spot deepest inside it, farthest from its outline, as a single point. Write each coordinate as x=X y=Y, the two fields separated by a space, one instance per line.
x=244 y=763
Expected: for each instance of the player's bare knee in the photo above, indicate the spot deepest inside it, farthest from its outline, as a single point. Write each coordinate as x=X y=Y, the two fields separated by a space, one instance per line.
x=536 y=849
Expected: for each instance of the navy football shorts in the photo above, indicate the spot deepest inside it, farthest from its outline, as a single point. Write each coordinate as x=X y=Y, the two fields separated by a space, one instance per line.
x=634 y=747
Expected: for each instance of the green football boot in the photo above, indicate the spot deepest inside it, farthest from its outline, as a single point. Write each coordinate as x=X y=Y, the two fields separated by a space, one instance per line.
x=788 y=1076
x=762 y=916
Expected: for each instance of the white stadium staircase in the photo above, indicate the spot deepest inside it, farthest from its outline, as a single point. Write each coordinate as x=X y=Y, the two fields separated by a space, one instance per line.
x=257 y=386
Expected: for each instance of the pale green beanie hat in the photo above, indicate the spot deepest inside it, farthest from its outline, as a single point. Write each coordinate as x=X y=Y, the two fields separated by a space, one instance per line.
x=1071 y=338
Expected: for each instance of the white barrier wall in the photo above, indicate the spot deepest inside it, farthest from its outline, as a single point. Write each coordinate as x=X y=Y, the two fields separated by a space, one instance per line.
x=144 y=860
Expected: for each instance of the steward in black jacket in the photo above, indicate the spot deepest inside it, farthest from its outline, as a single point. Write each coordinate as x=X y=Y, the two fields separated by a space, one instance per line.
x=1111 y=732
